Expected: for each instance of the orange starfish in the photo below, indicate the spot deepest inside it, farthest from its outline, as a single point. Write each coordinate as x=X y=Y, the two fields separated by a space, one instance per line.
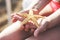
x=31 y=17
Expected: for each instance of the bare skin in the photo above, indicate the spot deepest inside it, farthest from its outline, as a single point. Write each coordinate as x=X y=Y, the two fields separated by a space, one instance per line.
x=17 y=33
x=51 y=34
x=14 y=32
x=21 y=35
x=50 y=21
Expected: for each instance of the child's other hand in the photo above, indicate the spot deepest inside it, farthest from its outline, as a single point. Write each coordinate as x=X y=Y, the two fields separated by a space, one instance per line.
x=48 y=22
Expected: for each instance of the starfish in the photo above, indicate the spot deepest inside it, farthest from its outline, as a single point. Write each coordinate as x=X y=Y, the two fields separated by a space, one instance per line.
x=31 y=17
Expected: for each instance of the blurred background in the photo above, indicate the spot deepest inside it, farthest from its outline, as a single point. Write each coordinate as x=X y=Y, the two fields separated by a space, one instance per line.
x=7 y=7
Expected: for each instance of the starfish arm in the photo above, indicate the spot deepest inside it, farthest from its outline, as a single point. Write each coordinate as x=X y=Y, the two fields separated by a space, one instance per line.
x=38 y=16
x=25 y=21
x=35 y=22
x=23 y=14
x=31 y=12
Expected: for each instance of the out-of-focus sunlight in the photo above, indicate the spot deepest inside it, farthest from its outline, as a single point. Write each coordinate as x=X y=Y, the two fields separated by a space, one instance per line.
x=7 y=7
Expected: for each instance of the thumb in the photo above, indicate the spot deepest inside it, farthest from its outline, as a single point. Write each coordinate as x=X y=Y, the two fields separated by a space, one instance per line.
x=42 y=27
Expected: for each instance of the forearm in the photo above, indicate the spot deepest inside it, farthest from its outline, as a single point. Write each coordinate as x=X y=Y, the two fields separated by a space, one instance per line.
x=12 y=32
x=12 y=28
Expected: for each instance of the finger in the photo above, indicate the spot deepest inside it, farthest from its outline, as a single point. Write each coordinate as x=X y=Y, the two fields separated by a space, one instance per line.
x=22 y=28
x=14 y=20
x=41 y=28
x=32 y=25
x=12 y=15
x=27 y=27
x=32 y=30
x=17 y=17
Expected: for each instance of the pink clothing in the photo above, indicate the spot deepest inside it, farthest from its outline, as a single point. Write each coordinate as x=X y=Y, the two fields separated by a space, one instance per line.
x=54 y=5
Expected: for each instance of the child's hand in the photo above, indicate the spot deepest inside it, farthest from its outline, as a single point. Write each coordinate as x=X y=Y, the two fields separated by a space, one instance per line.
x=29 y=27
x=26 y=27
x=48 y=22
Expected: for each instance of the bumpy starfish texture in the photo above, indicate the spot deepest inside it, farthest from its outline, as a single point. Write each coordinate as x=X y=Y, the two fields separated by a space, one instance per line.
x=31 y=17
